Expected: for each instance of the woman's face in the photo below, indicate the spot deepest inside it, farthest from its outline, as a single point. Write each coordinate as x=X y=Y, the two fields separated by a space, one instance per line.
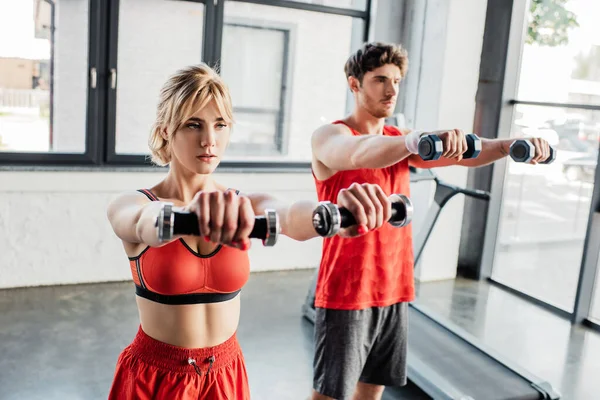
x=201 y=141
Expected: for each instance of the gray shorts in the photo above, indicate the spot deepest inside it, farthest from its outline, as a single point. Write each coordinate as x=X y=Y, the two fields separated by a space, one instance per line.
x=367 y=345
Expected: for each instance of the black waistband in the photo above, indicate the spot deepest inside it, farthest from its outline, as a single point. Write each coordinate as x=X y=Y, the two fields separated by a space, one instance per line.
x=178 y=299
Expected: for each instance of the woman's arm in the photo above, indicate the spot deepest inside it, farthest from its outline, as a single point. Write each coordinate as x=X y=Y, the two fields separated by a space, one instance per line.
x=133 y=218
x=295 y=219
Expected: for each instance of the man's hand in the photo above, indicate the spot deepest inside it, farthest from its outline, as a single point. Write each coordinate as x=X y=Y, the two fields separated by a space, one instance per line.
x=369 y=205
x=542 y=150
x=454 y=142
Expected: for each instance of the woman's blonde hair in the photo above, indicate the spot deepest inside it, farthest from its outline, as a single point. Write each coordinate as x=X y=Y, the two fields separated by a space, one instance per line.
x=184 y=93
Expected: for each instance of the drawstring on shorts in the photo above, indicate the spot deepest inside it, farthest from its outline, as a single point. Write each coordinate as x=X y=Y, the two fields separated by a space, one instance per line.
x=192 y=362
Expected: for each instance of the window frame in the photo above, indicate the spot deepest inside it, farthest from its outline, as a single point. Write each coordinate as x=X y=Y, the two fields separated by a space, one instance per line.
x=502 y=120
x=281 y=130
x=52 y=28
x=100 y=134
x=97 y=18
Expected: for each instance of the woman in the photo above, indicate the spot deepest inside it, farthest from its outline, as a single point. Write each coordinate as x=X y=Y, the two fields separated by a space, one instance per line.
x=188 y=289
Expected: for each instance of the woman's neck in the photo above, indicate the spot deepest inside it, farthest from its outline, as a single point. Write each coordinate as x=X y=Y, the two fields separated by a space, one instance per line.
x=183 y=184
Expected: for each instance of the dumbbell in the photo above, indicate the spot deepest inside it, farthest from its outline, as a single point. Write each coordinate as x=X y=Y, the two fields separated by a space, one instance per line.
x=522 y=150
x=431 y=147
x=170 y=223
x=328 y=218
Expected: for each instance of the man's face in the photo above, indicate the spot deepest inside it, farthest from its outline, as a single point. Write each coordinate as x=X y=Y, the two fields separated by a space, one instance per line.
x=379 y=90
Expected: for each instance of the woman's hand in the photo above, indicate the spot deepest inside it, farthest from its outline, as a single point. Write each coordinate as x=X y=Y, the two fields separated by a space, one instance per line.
x=224 y=217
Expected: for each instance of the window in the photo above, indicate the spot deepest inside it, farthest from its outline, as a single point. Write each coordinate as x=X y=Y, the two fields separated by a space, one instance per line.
x=545 y=208
x=148 y=53
x=285 y=83
x=258 y=90
x=561 y=58
x=80 y=79
x=43 y=76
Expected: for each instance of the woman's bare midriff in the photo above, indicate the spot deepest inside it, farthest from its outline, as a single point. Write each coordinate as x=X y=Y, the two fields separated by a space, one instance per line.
x=190 y=325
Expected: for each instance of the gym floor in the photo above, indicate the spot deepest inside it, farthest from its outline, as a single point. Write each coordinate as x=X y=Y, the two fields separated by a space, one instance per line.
x=63 y=342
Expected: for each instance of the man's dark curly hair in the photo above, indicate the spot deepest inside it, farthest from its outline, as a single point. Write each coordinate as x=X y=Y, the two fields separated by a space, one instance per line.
x=374 y=55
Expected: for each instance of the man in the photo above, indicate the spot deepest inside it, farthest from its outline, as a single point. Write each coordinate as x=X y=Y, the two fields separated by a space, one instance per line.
x=364 y=285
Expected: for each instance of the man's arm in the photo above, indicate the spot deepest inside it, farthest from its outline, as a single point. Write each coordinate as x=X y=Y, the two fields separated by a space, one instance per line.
x=492 y=150
x=336 y=148
x=295 y=219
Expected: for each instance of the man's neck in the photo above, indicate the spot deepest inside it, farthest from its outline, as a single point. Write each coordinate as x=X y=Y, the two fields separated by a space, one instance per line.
x=365 y=123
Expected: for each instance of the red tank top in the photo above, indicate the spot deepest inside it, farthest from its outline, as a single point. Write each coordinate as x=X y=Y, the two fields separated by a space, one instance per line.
x=176 y=274
x=373 y=270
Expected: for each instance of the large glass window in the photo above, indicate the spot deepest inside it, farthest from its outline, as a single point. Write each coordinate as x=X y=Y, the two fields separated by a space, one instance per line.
x=43 y=75
x=284 y=81
x=561 y=54
x=80 y=80
x=169 y=38
x=258 y=89
x=545 y=207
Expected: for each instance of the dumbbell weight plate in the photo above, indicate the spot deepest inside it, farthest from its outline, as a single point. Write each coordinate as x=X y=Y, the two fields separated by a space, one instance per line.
x=408 y=210
x=431 y=147
x=473 y=146
x=550 y=158
x=522 y=151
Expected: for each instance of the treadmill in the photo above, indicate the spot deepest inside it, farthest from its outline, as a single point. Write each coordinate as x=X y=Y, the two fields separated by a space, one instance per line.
x=444 y=360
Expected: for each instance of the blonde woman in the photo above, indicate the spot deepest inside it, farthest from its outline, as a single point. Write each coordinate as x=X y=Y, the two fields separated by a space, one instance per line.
x=188 y=289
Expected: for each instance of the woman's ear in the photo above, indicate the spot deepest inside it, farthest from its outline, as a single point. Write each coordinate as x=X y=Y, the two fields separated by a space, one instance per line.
x=164 y=134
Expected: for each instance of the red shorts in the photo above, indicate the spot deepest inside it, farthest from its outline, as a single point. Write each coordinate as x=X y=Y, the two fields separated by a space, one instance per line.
x=150 y=369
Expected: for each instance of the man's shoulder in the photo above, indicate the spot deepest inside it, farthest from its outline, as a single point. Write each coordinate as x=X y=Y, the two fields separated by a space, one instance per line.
x=394 y=130
x=334 y=127
x=328 y=131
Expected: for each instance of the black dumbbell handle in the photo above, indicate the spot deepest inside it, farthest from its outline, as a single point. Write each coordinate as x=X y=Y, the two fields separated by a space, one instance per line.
x=186 y=223
x=347 y=219
x=471 y=139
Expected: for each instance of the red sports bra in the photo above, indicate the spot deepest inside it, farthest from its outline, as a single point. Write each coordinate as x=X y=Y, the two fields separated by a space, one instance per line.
x=176 y=274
